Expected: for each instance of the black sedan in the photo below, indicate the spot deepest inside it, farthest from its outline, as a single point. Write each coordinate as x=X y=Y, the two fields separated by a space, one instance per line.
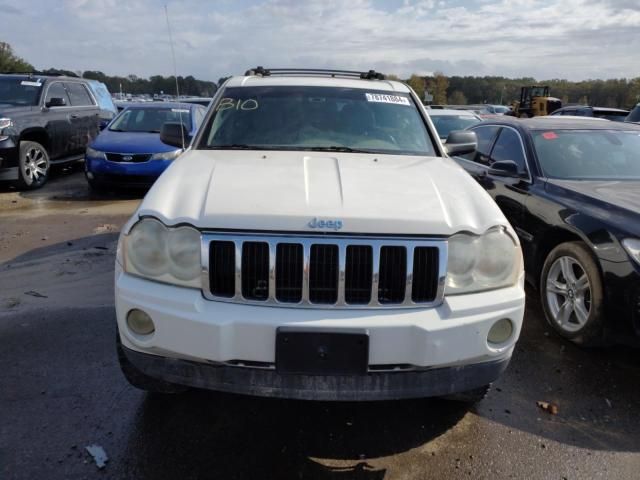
x=571 y=190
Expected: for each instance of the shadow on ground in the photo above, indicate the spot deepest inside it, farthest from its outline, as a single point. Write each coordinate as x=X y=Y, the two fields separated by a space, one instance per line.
x=69 y=184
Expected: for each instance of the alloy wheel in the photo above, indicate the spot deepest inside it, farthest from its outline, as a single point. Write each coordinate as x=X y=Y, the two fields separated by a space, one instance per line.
x=35 y=165
x=568 y=294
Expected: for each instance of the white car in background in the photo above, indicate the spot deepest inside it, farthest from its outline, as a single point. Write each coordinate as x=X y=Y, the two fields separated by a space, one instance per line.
x=316 y=242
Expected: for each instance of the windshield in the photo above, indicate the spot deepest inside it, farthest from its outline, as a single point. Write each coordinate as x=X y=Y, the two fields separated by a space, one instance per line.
x=20 y=91
x=634 y=116
x=500 y=109
x=149 y=119
x=589 y=154
x=446 y=124
x=317 y=118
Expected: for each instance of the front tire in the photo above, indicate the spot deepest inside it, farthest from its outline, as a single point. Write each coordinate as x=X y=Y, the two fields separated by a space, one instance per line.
x=33 y=166
x=572 y=295
x=140 y=380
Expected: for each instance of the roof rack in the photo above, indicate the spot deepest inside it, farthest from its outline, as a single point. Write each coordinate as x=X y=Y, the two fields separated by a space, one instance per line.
x=266 y=72
x=42 y=74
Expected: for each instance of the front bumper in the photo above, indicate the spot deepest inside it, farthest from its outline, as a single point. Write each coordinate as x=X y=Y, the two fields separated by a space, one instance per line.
x=119 y=173
x=268 y=383
x=190 y=328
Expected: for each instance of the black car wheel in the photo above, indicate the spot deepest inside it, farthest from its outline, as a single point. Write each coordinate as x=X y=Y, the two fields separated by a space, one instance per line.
x=33 y=169
x=572 y=294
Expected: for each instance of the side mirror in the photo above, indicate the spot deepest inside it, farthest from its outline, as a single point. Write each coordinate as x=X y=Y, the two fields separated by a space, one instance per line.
x=461 y=142
x=173 y=133
x=103 y=124
x=56 y=102
x=505 y=168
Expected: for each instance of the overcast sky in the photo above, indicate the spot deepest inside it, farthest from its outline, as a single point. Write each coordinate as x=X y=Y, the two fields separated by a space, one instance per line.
x=573 y=39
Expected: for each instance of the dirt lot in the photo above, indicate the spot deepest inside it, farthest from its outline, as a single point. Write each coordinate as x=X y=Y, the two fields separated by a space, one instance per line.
x=61 y=389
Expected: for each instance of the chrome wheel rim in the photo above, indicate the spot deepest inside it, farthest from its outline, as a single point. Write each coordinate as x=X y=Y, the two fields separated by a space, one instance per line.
x=35 y=165
x=568 y=294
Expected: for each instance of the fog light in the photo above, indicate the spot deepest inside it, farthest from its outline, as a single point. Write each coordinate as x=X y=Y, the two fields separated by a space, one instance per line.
x=139 y=322
x=500 y=332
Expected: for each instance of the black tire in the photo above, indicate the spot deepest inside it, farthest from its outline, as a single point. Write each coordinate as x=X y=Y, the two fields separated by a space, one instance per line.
x=470 y=397
x=33 y=166
x=97 y=187
x=581 y=317
x=140 y=380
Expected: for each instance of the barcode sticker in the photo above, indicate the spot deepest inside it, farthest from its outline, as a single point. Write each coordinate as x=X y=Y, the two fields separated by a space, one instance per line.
x=383 y=98
x=179 y=110
x=27 y=83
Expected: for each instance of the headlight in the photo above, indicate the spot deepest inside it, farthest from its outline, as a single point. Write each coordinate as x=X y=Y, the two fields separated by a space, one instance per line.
x=5 y=123
x=485 y=262
x=167 y=155
x=632 y=246
x=95 y=154
x=169 y=255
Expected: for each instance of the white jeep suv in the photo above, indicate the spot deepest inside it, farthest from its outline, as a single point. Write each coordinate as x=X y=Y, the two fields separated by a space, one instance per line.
x=316 y=242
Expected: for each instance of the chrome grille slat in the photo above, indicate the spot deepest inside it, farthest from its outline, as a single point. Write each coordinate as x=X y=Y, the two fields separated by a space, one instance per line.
x=341 y=270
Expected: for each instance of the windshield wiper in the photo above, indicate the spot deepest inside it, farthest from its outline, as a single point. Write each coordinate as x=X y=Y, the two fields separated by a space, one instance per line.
x=337 y=148
x=237 y=146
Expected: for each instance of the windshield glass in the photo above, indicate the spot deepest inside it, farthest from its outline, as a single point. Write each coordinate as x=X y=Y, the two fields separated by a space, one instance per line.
x=149 y=119
x=446 y=124
x=317 y=118
x=500 y=109
x=634 y=116
x=20 y=91
x=589 y=154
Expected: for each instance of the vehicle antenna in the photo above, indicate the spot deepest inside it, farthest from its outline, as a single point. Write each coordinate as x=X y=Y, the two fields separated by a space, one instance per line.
x=175 y=70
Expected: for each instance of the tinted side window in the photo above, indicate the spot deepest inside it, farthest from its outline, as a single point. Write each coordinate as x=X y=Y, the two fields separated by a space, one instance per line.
x=486 y=135
x=56 y=90
x=79 y=95
x=509 y=147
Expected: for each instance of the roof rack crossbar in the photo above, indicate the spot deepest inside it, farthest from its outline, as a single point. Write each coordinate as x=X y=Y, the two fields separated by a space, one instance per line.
x=265 y=72
x=42 y=74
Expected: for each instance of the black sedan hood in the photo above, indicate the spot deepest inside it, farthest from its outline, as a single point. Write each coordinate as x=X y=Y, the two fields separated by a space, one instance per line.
x=618 y=201
x=623 y=194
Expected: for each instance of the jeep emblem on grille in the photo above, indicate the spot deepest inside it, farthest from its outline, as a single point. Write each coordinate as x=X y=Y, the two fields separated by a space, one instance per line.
x=127 y=158
x=333 y=224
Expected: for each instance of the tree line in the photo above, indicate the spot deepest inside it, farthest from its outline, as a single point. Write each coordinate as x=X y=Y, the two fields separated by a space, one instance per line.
x=9 y=62
x=457 y=90
x=453 y=90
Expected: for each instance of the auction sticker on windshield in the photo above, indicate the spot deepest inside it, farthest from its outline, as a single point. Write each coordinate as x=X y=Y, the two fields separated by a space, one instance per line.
x=382 y=98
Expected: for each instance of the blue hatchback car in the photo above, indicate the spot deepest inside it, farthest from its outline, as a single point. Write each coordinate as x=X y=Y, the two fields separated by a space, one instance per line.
x=129 y=151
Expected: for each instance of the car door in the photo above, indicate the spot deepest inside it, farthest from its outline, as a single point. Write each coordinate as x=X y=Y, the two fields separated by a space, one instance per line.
x=84 y=116
x=510 y=193
x=56 y=120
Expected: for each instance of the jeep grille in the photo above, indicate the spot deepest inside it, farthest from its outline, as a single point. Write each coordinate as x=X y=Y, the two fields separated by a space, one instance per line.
x=323 y=271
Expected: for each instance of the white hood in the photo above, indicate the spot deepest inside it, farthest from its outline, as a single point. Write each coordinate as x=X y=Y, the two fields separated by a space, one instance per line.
x=284 y=191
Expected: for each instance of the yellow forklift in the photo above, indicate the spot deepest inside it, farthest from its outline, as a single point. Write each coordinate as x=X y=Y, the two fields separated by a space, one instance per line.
x=534 y=102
